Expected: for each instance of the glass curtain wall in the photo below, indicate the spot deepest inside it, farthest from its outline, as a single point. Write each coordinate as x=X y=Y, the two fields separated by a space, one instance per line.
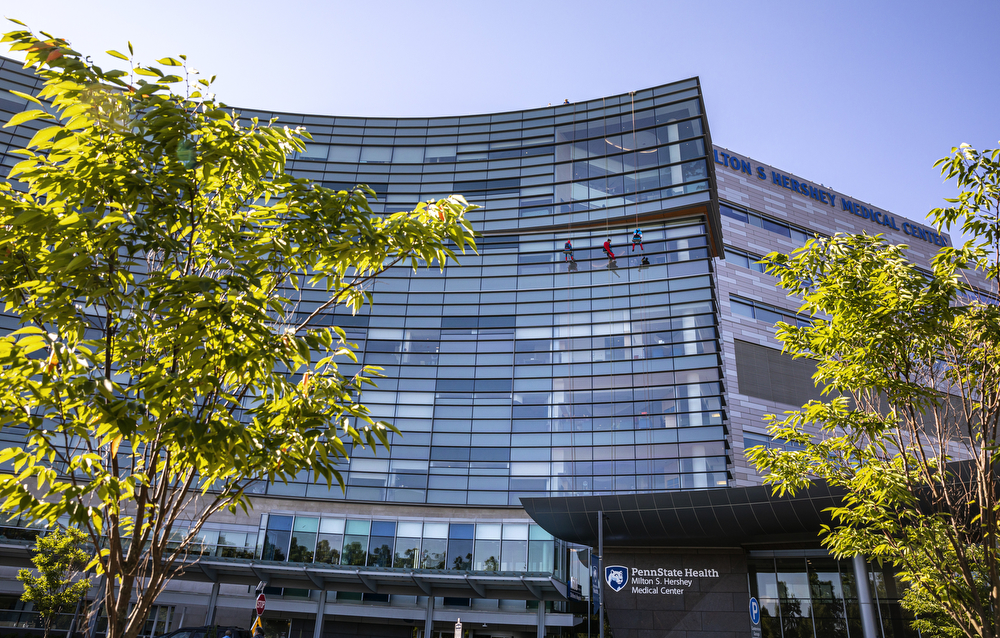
x=553 y=377
x=528 y=371
x=818 y=598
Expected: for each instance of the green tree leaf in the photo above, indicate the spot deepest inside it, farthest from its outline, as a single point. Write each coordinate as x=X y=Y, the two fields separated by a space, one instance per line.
x=27 y=116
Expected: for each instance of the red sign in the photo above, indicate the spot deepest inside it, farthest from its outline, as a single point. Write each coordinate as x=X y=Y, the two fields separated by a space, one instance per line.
x=260 y=604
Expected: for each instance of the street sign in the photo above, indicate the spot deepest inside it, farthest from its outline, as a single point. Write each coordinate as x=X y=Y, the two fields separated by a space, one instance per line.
x=755 y=628
x=261 y=600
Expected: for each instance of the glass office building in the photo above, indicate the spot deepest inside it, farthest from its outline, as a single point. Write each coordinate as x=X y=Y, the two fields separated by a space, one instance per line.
x=531 y=372
x=521 y=372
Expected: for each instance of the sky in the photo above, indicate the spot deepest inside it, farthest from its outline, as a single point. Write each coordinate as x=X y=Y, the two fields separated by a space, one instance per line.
x=861 y=96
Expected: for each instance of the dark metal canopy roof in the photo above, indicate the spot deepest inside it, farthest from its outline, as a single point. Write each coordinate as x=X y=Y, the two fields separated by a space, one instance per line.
x=378 y=580
x=721 y=517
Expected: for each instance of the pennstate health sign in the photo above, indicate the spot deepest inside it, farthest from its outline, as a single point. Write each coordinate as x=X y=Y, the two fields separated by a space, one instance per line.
x=661 y=581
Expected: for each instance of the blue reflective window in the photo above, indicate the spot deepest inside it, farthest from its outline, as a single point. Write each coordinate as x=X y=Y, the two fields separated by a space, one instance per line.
x=775 y=227
x=458 y=531
x=280 y=523
x=740 y=308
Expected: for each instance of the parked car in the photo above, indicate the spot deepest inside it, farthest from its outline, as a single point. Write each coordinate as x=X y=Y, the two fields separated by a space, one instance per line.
x=209 y=631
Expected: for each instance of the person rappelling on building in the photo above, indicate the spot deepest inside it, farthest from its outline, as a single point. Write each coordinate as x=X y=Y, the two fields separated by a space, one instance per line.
x=612 y=264
x=607 y=249
x=637 y=240
x=568 y=255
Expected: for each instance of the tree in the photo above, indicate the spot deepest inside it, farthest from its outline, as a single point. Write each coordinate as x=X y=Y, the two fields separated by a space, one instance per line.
x=155 y=252
x=909 y=363
x=59 y=558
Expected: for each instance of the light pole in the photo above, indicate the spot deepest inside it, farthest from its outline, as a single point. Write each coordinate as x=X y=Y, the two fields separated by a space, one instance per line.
x=600 y=568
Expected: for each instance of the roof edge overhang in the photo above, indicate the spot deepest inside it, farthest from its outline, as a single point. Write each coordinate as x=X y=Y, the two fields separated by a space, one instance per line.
x=728 y=517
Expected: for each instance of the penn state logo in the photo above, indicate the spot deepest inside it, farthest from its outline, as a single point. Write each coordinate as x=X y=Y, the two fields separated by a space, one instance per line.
x=616 y=577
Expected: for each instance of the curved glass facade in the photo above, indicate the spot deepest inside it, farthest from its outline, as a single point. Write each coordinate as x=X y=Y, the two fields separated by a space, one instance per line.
x=528 y=370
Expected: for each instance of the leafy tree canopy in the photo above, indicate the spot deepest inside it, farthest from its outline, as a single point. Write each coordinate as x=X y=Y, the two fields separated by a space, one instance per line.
x=165 y=269
x=909 y=361
x=59 y=558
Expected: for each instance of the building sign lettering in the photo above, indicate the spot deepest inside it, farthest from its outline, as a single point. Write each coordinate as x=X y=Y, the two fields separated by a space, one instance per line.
x=824 y=196
x=659 y=581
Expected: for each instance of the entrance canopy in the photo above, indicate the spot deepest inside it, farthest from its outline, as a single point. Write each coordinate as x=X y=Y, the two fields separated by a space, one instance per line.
x=377 y=580
x=705 y=518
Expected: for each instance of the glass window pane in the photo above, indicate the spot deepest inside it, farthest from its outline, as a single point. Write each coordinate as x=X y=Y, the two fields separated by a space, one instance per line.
x=408 y=155
x=487 y=555
x=303 y=546
x=514 y=558
x=536 y=533
x=732 y=213
x=435 y=530
x=275 y=545
x=767 y=315
x=740 y=308
x=331 y=526
x=737 y=259
x=541 y=556
x=348 y=154
x=328 y=548
x=515 y=531
x=410 y=528
x=488 y=531
x=355 y=550
x=433 y=553
x=280 y=523
x=407 y=552
x=459 y=554
x=780 y=229
x=376 y=154
x=306 y=524
x=380 y=551
x=829 y=610
x=794 y=597
x=464 y=532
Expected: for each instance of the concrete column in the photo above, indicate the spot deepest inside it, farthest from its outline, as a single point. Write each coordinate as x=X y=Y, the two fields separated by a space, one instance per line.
x=868 y=626
x=429 y=620
x=541 y=619
x=320 y=609
x=210 y=614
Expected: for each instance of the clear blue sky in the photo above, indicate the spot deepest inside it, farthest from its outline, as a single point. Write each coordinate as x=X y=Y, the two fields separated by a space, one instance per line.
x=861 y=96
